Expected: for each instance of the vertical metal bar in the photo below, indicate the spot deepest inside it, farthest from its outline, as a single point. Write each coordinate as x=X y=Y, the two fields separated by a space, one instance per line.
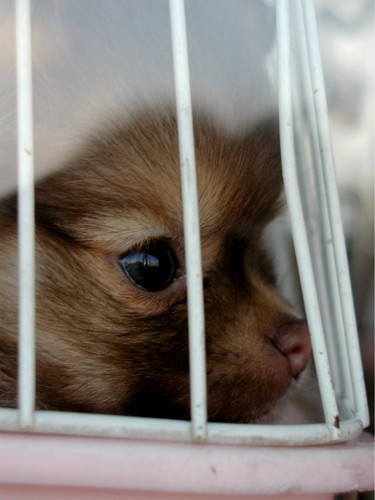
x=319 y=230
x=191 y=222
x=297 y=219
x=333 y=203
x=26 y=357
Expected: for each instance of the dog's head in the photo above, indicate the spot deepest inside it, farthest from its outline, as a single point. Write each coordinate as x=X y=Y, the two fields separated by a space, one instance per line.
x=111 y=282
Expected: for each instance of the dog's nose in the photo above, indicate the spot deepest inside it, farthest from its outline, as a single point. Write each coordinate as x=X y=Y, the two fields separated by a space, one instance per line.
x=293 y=340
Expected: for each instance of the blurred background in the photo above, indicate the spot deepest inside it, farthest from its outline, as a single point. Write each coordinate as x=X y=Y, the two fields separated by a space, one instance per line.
x=94 y=60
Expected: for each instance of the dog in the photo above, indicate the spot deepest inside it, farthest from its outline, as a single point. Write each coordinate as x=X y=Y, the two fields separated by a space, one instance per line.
x=111 y=306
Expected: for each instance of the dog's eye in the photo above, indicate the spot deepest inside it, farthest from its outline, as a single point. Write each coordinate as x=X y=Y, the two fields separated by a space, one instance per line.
x=151 y=267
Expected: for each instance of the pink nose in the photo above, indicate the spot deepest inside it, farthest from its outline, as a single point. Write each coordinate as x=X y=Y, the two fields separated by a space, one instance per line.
x=293 y=341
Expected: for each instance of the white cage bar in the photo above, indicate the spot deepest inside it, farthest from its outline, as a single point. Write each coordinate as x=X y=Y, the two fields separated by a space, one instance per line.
x=334 y=215
x=26 y=364
x=292 y=190
x=352 y=418
x=197 y=358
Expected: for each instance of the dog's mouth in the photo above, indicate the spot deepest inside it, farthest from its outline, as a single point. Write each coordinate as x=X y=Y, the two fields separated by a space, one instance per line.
x=149 y=404
x=241 y=388
x=233 y=406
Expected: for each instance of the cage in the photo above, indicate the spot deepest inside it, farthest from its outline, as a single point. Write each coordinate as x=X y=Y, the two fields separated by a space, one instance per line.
x=60 y=454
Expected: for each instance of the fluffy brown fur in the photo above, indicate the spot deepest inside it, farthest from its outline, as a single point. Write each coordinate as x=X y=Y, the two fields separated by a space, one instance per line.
x=107 y=345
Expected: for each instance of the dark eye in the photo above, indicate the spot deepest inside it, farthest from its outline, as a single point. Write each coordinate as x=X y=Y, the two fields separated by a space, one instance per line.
x=151 y=267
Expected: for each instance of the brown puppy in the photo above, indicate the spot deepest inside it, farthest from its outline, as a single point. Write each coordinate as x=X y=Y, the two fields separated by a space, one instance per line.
x=111 y=288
